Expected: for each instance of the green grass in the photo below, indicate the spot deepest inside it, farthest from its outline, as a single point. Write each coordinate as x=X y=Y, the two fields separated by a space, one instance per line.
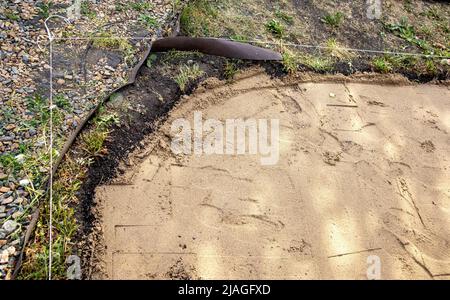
x=187 y=74
x=275 y=27
x=106 y=40
x=173 y=56
x=333 y=20
x=316 y=63
x=290 y=62
x=199 y=18
x=230 y=70
x=382 y=65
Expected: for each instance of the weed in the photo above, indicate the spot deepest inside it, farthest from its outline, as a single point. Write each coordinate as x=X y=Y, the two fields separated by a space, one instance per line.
x=275 y=27
x=44 y=9
x=86 y=10
x=407 y=32
x=12 y=16
x=230 y=70
x=62 y=102
x=381 y=64
x=93 y=141
x=316 y=63
x=150 y=60
x=141 y=5
x=187 y=74
x=431 y=67
x=149 y=21
x=105 y=120
x=336 y=50
x=290 y=62
x=174 y=55
x=333 y=20
x=105 y=40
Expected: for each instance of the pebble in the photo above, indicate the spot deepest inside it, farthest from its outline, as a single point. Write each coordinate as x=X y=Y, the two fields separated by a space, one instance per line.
x=9 y=226
x=4 y=189
x=4 y=257
x=24 y=182
x=7 y=201
x=20 y=158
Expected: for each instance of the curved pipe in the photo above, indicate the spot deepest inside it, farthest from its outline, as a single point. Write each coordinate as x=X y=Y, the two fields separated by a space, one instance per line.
x=215 y=46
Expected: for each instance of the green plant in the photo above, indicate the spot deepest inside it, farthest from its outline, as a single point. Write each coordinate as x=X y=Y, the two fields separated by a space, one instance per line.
x=106 y=40
x=290 y=62
x=93 y=141
x=12 y=16
x=382 y=64
x=187 y=74
x=62 y=102
x=86 y=10
x=141 y=5
x=149 y=21
x=230 y=70
x=333 y=20
x=44 y=9
x=316 y=63
x=150 y=60
x=275 y=27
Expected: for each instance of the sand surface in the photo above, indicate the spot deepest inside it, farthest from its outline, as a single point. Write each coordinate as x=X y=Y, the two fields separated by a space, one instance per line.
x=363 y=174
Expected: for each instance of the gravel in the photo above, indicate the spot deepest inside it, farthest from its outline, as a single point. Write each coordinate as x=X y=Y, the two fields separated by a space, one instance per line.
x=24 y=71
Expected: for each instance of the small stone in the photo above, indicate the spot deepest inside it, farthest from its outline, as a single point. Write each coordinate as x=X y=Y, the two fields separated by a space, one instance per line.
x=60 y=81
x=9 y=226
x=7 y=201
x=10 y=127
x=24 y=182
x=25 y=58
x=4 y=257
x=11 y=250
x=20 y=158
x=332 y=95
x=4 y=189
x=16 y=215
x=2 y=208
x=3 y=176
x=2 y=243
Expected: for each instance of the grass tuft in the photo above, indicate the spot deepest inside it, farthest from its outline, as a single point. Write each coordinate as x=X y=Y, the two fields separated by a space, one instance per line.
x=275 y=27
x=187 y=74
x=333 y=20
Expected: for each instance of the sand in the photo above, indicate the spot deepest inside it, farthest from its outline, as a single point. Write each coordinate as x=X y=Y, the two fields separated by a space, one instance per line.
x=363 y=177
